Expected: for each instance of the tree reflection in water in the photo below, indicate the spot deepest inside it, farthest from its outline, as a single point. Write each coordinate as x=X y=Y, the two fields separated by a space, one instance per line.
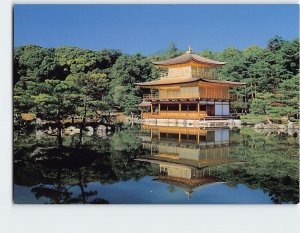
x=60 y=170
x=62 y=174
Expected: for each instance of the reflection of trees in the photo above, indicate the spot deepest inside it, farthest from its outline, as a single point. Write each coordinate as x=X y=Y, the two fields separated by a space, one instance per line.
x=62 y=174
x=125 y=146
x=58 y=193
x=271 y=164
x=280 y=189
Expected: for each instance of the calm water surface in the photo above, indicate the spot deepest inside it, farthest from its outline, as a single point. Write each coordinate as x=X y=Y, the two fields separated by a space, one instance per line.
x=158 y=165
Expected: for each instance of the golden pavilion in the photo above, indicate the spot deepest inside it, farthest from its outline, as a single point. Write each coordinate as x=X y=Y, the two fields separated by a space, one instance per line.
x=188 y=90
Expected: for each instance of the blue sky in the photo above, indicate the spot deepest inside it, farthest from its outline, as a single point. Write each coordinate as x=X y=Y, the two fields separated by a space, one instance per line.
x=150 y=28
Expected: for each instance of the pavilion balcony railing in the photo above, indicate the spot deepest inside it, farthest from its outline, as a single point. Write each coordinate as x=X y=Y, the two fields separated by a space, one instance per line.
x=189 y=95
x=176 y=115
x=150 y=96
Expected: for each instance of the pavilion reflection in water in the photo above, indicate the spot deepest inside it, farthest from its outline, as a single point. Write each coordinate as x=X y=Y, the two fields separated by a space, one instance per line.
x=186 y=157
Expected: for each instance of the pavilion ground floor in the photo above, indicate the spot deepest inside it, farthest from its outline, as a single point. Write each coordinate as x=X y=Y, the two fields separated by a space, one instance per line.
x=195 y=110
x=201 y=113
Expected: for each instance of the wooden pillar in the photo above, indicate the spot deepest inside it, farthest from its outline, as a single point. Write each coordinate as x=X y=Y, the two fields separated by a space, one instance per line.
x=222 y=92
x=158 y=135
x=179 y=138
x=151 y=106
x=206 y=91
x=151 y=134
x=180 y=107
x=198 y=138
x=159 y=107
x=198 y=107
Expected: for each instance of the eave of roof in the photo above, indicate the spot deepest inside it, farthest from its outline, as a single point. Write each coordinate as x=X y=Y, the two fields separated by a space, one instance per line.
x=223 y=82
x=172 y=81
x=168 y=81
x=145 y=104
x=188 y=57
x=188 y=185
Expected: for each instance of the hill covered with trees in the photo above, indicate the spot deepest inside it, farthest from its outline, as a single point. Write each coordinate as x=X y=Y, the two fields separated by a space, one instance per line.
x=56 y=83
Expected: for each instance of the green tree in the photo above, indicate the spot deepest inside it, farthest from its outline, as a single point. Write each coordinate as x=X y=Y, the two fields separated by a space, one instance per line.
x=90 y=95
x=275 y=43
x=127 y=71
x=261 y=104
x=288 y=98
x=76 y=60
x=54 y=102
x=35 y=63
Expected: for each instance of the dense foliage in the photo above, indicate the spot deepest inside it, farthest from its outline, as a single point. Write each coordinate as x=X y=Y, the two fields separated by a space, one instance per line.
x=271 y=75
x=54 y=83
x=271 y=164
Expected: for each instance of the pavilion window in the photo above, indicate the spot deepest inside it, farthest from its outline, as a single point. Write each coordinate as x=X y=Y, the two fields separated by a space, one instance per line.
x=184 y=136
x=173 y=107
x=173 y=135
x=202 y=107
x=192 y=137
x=184 y=107
x=188 y=107
x=163 y=107
x=163 y=135
x=192 y=107
x=188 y=137
x=202 y=138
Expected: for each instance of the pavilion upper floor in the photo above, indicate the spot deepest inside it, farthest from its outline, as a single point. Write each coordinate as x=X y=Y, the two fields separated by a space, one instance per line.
x=191 y=70
x=188 y=76
x=191 y=91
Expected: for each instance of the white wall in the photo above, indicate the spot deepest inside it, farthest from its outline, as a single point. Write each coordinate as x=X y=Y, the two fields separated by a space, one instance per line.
x=222 y=109
x=218 y=110
x=226 y=110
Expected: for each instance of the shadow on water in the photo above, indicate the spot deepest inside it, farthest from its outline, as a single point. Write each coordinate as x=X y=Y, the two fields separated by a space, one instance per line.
x=81 y=170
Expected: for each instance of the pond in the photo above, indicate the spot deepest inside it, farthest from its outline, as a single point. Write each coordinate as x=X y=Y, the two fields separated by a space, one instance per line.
x=158 y=165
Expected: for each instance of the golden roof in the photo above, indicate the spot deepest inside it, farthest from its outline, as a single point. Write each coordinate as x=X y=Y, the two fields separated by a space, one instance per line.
x=189 y=57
